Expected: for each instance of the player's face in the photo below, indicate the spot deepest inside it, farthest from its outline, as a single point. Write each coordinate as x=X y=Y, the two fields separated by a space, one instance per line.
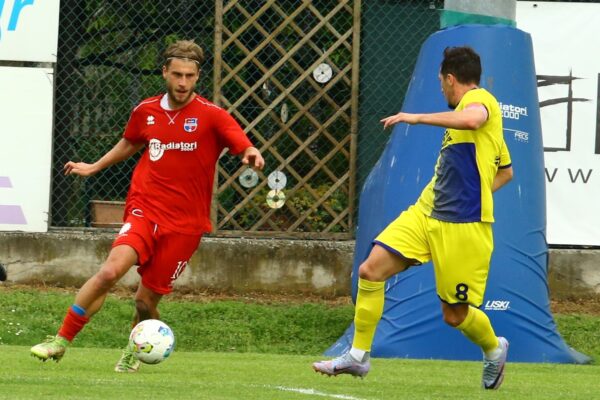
x=181 y=77
x=447 y=82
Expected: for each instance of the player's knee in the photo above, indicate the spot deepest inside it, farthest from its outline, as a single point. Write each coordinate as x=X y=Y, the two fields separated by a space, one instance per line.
x=452 y=320
x=112 y=270
x=368 y=271
x=453 y=317
x=107 y=277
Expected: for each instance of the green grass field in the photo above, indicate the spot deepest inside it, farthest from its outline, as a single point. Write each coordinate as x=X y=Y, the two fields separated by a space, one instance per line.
x=86 y=373
x=240 y=349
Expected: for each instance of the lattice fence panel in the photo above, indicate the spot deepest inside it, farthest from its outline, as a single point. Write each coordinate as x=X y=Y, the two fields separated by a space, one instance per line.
x=288 y=72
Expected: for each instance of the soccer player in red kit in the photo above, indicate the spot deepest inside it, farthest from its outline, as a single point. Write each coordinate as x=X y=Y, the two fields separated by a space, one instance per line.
x=168 y=205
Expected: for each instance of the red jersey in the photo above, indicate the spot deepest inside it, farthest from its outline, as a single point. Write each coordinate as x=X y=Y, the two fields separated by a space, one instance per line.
x=173 y=181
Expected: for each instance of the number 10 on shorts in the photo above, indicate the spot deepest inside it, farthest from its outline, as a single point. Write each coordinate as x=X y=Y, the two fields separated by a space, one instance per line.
x=180 y=267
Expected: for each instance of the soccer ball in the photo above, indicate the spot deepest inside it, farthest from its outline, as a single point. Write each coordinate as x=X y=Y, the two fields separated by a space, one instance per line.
x=152 y=340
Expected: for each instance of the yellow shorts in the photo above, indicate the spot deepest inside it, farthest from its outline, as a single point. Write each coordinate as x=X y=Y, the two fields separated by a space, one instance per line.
x=460 y=252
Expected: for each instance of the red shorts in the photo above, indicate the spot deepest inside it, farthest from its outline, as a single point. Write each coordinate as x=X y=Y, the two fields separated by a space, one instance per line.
x=162 y=253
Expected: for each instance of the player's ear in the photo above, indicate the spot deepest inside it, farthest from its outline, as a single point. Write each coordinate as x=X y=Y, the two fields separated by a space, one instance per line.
x=164 y=71
x=450 y=79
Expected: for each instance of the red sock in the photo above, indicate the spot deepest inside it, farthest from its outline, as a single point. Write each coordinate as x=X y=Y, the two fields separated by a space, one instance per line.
x=72 y=324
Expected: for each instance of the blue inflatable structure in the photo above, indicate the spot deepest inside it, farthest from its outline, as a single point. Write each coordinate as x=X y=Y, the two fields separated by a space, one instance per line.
x=516 y=299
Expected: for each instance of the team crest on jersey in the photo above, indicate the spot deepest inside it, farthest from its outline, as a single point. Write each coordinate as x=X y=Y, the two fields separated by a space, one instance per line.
x=190 y=124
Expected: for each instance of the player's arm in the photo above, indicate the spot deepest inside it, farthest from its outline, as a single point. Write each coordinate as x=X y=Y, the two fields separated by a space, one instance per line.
x=503 y=176
x=469 y=118
x=233 y=137
x=121 y=151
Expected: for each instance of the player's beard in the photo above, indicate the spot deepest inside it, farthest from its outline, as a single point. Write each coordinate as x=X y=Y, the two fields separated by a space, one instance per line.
x=179 y=99
x=447 y=98
x=449 y=102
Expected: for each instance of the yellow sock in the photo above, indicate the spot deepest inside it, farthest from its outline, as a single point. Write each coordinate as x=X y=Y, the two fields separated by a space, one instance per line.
x=478 y=328
x=368 y=312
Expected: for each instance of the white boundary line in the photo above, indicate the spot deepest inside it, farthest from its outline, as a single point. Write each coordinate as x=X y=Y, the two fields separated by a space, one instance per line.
x=314 y=392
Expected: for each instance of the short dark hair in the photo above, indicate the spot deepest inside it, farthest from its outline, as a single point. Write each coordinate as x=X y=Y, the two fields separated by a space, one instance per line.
x=184 y=49
x=462 y=62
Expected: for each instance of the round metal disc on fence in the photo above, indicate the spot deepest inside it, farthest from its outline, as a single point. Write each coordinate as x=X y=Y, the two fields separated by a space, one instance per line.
x=248 y=178
x=284 y=113
x=275 y=199
x=323 y=73
x=277 y=180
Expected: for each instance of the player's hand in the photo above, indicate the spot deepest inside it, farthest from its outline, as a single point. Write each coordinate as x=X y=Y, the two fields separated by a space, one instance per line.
x=79 y=168
x=253 y=158
x=400 y=117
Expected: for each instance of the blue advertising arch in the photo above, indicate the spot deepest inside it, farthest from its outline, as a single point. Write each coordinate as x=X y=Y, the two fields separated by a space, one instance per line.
x=516 y=299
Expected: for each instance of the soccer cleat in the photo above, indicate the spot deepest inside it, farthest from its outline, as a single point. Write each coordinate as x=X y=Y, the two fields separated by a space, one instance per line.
x=53 y=347
x=128 y=361
x=493 y=370
x=344 y=364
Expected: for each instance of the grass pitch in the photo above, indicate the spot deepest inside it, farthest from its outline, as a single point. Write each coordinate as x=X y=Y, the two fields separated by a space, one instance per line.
x=86 y=373
x=228 y=352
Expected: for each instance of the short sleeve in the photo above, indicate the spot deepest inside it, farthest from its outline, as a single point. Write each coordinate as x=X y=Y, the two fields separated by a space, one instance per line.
x=231 y=134
x=505 y=160
x=133 y=131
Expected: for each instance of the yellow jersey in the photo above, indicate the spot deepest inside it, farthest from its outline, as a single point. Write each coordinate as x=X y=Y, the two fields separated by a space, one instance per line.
x=461 y=188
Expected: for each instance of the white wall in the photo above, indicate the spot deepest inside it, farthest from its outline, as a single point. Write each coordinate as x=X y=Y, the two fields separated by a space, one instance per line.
x=29 y=30
x=566 y=43
x=25 y=148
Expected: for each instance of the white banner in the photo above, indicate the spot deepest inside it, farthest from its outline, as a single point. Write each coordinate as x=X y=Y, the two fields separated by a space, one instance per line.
x=29 y=30
x=567 y=59
x=25 y=148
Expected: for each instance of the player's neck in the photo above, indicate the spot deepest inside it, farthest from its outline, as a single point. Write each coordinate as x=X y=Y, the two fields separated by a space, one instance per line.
x=171 y=105
x=461 y=90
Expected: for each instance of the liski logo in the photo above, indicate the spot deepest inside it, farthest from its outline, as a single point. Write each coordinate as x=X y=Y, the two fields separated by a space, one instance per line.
x=190 y=124
x=497 y=305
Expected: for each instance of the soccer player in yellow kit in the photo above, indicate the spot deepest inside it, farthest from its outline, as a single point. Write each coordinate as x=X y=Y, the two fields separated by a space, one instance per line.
x=450 y=224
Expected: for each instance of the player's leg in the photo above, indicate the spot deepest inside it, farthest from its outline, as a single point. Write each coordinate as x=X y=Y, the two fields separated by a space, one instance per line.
x=146 y=307
x=172 y=252
x=133 y=245
x=380 y=265
x=461 y=264
x=146 y=304
x=476 y=326
x=92 y=294
x=398 y=247
x=88 y=301
x=473 y=323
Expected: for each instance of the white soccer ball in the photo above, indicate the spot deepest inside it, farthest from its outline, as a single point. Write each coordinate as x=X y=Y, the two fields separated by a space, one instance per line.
x=153 y=341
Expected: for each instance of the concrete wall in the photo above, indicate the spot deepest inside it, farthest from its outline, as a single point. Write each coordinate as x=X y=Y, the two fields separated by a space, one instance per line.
x=574 y=273
x=69 y=258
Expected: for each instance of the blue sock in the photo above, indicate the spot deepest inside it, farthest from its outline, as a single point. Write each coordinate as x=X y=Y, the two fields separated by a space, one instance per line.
x=78 y=310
